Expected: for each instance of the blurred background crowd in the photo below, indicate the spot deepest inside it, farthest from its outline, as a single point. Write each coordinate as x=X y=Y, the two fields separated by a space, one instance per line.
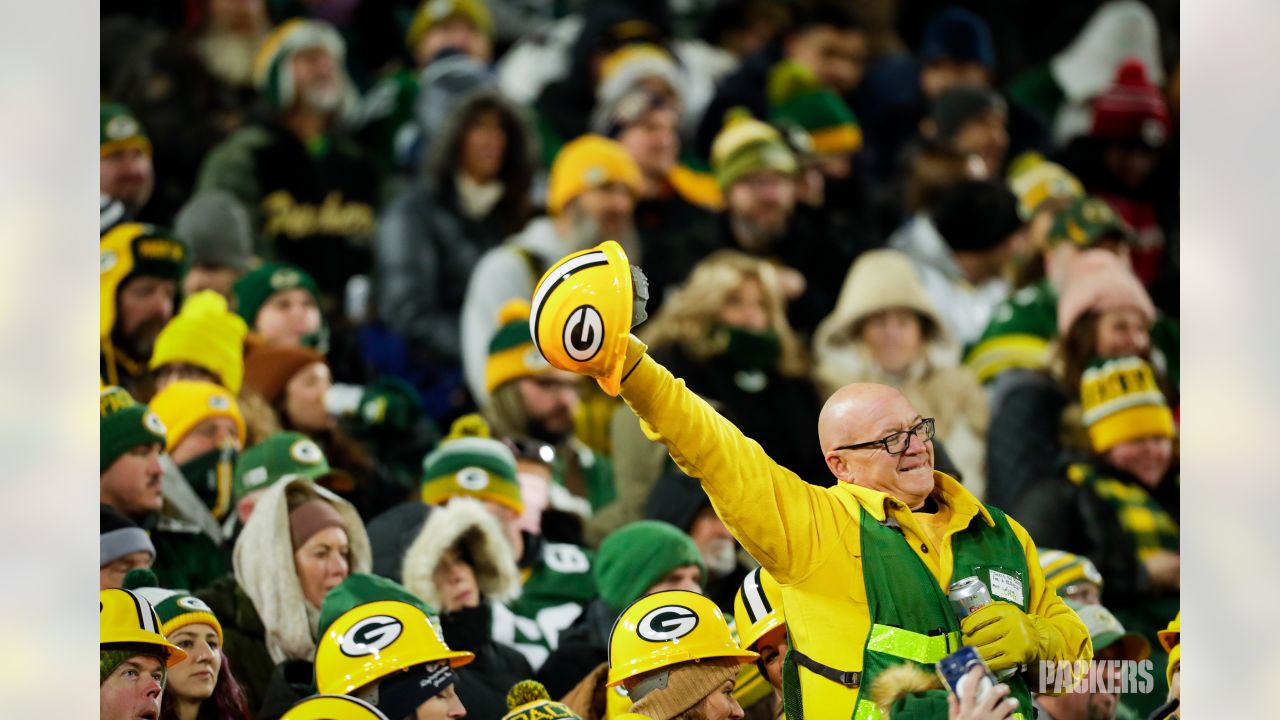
x=322 y=222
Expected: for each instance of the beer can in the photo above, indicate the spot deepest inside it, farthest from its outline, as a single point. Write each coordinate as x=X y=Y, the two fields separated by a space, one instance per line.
x=967 y=595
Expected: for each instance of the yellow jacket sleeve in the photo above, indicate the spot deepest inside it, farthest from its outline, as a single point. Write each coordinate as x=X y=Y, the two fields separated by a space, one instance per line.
x=776 y=516
x=1063 y=635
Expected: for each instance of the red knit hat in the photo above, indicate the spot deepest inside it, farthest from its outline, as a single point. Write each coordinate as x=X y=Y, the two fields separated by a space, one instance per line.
x=1132 y=109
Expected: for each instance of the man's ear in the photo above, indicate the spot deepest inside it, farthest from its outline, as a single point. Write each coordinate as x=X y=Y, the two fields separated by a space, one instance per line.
x=837 y=465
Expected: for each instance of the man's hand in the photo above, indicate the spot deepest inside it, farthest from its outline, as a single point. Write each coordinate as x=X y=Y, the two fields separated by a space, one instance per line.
x=1004 y=635
x=1164 y=568
x=992 y=705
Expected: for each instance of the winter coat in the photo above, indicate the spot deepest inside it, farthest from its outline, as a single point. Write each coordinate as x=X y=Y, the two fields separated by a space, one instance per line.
x=188 y=541
x=426 y=246
x=1024 y=443
x=243 y=638
x=935 y=383
x=964 y=308
x=778 y=411
x=483 y=684
x=314 y=210
x=809 y=538
x=264 y=568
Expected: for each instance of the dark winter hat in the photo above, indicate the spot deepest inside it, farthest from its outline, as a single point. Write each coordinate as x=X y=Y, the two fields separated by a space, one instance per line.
x=960 y=35
x=360 y=589
x=976 y=215
x=216 y=227
x=634 y=557
x=676 y=499
x=1132 y=109
x=125 y=424
x=119 y=536
x=959 y=105
x=253 y=290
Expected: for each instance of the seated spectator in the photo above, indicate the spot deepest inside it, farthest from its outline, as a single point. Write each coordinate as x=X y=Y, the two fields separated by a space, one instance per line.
x=300 y=543
x=138 y=286
x=133 y=657
x=311 y=195
x=726 y=332
x=1121 y=505
x=462 y=563
x=136 y=482
x=1073 y=577
x=472 y=193
x=530 y=400
x=1103 y=313
x=281 y=303
x=122 y=546
x=640 y=559
x=885 y=330
x=216 y=226
x=411 y=674
x=591 y=198
x=961 y=252
x=757 y=173
x=205 y=432
x=124 y=167
x=202 y=685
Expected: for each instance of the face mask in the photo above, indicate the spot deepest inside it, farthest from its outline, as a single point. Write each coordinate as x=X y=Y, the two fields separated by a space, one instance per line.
x=750 y=350
x=210 y=476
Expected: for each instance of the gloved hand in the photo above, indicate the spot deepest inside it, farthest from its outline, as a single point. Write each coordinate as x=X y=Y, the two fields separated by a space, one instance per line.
x=1005 y=636
x=390 y=403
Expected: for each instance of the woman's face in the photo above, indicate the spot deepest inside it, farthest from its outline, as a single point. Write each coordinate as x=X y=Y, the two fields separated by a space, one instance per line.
x=443 y=706
x=1147 y=459
x=287 y=317
x=1122 y=333
x=894 y=337
x=322 y=563
x=483 y=146
x=304 y=398
x=772 y=647
x=721 y=705
x=195 y=677
x=456 y=581
x=745 y=307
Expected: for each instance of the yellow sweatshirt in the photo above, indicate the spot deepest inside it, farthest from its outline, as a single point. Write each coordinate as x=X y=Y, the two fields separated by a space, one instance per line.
x=808 y=538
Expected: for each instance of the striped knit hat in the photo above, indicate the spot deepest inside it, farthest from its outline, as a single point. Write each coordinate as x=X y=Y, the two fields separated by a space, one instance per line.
x=512 y=354
x=797 y=97
x=746 y=145
x=175 y=608
x=529 y=700
x=1122 y=402
x=1062 y=569
x=271 y=73
x=470 y=463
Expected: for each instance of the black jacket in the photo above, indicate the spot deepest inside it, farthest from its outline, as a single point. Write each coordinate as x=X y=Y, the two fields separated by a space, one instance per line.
x=1023 y=444
x=484 y=683
x=583 y=646
x=244 y=639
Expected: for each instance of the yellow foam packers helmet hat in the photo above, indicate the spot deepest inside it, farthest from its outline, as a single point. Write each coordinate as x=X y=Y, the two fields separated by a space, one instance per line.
x=581 y=314
x=1171 y=636
x=126 y=617
x=757 y=607
x=377 y=639
x=668 y=628
x=333 y=707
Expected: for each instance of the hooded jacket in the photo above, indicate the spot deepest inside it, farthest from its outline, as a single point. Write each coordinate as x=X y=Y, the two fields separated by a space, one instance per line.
x=426 y=245
x=935 y=383
x=482 y=685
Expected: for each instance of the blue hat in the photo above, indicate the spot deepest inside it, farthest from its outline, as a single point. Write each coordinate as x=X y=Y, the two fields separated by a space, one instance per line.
x=958 y=34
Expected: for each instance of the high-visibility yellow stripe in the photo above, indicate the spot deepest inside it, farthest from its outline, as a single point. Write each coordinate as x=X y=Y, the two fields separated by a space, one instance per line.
x=926 y=649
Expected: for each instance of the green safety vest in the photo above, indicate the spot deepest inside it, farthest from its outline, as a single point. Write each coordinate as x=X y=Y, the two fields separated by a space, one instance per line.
x=912 y=619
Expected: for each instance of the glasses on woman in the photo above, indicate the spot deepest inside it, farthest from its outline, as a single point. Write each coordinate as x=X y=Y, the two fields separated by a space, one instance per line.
x=898 y=442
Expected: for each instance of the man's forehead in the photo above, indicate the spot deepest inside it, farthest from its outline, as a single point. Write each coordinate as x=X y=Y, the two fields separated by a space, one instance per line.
x=145 y=662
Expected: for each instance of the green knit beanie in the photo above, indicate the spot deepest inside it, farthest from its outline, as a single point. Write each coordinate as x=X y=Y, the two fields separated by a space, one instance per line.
x=125 y=424
x=175 y=608
x=634 y=557
x=469 y=463
x=257 y=286
x=118 y=130
x=277 y=456
x=360 y=589
x=797 y=97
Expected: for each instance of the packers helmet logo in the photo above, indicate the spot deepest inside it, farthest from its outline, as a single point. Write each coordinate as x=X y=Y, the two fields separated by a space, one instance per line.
x=667 y=623
x=583 y=333
x=285 y=278
x=473 y=478
x=306 y=452
x=121 y=127
x=154 y=424
x=219 y=402
x=193 y=603
x=371 y=635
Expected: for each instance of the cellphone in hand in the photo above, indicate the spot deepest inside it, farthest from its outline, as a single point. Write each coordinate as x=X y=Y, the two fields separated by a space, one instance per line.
x=958 y=664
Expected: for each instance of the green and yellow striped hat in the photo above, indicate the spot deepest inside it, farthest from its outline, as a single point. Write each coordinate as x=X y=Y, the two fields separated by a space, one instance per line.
x=119 y=130
x=470 y=463
x=175 y=608
x=1122 y=402
x=1062 y=569
x=1087 y=221
x=797 y=97
x=512 y=354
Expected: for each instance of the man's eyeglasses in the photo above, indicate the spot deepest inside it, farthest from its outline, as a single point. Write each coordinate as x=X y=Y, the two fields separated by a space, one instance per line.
x=897 y=443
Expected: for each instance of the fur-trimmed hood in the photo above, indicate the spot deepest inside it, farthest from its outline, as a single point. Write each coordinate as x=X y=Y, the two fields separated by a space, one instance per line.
x=264 y=569
x=466 y=520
